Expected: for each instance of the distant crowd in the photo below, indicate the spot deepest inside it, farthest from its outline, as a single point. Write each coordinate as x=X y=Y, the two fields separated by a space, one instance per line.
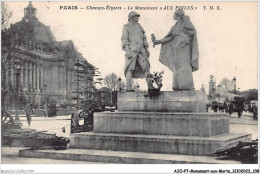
x=234 y=106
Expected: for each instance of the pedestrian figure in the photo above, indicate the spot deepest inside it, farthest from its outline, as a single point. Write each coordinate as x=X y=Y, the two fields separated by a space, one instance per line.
x=54 y=110
x=37 y=106
x=207 y=107
x=50 y=110
x=29 y=112
x=45 y=110
x=103 y=107
x=246 y=107
x=226 y=106
x=215 y=106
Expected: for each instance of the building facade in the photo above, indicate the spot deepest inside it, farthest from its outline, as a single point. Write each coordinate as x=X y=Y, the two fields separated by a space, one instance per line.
x=48 y=69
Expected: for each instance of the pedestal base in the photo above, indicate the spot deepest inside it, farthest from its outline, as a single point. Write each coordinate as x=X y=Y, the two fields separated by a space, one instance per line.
x=120 y=157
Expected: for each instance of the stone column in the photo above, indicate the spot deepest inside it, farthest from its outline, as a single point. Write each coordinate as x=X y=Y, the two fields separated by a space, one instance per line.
x=26 y=75
x=8 y=73
x=24 y=72
x=29 y=75
x=12 y=76
x=21 y=76
x=44 y=81
x=33 y=75
x=36 y=76
x=59 y=77
x=40 y=76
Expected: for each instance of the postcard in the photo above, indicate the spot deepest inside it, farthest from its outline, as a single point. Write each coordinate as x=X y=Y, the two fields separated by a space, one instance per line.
x=166 y=86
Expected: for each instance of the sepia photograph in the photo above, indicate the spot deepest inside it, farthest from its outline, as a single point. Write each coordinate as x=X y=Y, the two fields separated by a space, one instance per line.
x=89 y=85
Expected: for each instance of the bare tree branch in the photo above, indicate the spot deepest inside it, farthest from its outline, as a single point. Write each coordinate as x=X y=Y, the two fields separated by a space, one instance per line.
x=6 y=15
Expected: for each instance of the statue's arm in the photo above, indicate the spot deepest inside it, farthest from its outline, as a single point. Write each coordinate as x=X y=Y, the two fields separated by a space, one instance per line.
x=170 y=36
x=166 y=39
x=146 y=45
x=125 y=39
x=125 y=42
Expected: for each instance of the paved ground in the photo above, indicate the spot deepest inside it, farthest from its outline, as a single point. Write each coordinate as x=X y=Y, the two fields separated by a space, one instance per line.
x=52 y=125
x=245 y=124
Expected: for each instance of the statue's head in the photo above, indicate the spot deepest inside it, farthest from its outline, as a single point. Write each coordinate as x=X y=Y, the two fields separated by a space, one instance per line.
x=133 y=16
x=179 y=14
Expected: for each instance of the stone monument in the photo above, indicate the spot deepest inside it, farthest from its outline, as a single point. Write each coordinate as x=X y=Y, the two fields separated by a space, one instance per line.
x=175 y=122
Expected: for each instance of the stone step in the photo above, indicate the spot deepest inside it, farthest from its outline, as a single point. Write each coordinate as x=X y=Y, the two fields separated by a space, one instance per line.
x=162 y=123
x=122 y=157
x=182 y=145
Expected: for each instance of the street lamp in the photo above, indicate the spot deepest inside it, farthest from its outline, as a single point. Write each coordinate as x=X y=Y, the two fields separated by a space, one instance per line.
x=45 y=91
x=235 y=86
x=218 y=93
x=17 y=67
x=218 y=88
x=120 y=83
x=77 y=67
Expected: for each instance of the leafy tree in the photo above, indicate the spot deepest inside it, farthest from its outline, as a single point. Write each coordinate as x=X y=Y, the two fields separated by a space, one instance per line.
x=251 y=94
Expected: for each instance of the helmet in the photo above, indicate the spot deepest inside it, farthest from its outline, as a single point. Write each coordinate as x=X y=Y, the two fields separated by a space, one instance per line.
x=132 y=13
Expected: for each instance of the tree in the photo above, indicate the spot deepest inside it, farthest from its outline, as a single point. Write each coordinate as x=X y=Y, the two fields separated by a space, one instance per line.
x=251 y=94
x=111 y=81
x=6 y=15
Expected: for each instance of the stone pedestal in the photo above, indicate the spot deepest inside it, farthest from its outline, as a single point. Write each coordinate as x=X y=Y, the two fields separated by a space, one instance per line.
x=157 y=123
x=172 y=123
x=167 y=101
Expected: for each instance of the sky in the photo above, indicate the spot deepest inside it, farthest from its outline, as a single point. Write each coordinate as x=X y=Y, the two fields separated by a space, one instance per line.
x=227 y=38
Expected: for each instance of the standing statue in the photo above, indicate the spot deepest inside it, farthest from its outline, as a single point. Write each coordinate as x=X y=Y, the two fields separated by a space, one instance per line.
x=135 y=44
x=179 y=51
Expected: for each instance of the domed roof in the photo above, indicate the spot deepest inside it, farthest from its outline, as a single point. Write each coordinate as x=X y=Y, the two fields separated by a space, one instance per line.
x=41 y=33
